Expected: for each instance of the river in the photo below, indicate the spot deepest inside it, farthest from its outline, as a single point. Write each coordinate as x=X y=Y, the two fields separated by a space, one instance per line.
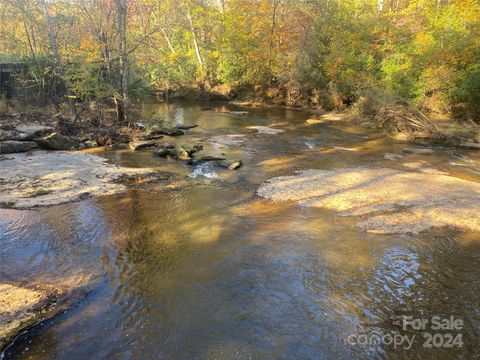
x=211 y=271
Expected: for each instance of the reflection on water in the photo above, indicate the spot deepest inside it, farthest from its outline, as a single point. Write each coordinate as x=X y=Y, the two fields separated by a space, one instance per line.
x=211 y=272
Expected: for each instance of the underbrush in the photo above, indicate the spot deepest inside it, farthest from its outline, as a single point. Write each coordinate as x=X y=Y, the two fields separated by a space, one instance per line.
x=383 y=111
x=387 y=112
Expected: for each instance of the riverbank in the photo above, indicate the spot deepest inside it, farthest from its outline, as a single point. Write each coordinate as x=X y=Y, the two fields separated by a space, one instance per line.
x=396 y=124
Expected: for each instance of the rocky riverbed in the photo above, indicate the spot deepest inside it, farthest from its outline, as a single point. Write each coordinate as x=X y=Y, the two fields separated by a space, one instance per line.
x=388 y=201
x=198 y=219
x=45 y=178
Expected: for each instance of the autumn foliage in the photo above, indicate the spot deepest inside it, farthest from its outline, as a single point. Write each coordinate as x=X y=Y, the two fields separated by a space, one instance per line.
x=331 y=52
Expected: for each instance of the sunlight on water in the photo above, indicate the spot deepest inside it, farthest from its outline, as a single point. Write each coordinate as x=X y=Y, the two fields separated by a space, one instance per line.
x=210 y=271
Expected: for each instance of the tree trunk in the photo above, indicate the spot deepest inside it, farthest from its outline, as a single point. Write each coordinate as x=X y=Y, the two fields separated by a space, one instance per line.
x=51 y=33
x=122 y=102
x=56 y=53
x=167 y=39
x=195 y=42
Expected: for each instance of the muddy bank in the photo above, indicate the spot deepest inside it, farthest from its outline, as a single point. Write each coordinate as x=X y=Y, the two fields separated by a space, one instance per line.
x=49 y=178
x=386 y=201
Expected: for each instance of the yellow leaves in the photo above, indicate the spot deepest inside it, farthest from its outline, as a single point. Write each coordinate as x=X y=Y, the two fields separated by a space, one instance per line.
x=89 y=49
x=423 y=42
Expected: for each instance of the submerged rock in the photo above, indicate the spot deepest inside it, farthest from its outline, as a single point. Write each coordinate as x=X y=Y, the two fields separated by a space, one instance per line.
x=230 y=140
x=416 y=151
x=423 y=166
x=394 y=201
x=266 y=130
x=185 y=127
x=210 y=158
x=11 y=146
x=390 y=156
x=57 y=141
x=162 y=152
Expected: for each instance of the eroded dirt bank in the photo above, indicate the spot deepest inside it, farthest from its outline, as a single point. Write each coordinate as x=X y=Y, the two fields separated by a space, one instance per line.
x=387 y=200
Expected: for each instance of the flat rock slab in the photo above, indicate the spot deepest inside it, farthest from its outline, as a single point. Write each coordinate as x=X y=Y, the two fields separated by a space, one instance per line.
x=31 y=131
x=12 y=146
x=389 y=201
x=140 y=145
x=47 y=178
x=314 y=121
x=21 y=307
x=56 y=141
x=266 y=130
x=233 y=139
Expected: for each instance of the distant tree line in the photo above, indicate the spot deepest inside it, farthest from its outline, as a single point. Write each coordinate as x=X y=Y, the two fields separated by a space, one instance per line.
x=425 y=52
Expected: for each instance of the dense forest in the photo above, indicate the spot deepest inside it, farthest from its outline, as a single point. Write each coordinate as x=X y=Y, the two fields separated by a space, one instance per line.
x=324 y=53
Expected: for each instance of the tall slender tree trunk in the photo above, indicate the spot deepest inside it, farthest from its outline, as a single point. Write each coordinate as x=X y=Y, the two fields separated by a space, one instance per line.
x=51 y=33
x=167 y=39
x=195 y=41
x=122 y=102
x=56 y=53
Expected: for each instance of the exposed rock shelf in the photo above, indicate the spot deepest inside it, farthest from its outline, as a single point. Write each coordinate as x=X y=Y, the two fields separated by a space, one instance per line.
x=50 y=178
x=389 y=201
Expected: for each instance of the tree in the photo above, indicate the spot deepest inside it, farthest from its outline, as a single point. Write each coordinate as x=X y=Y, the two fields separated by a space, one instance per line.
x=122 y=102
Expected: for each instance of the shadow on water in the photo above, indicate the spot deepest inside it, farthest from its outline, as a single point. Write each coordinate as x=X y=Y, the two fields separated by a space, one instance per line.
x=212 y=272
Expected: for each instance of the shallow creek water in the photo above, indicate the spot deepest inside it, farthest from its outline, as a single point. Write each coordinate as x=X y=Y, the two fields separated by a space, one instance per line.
x=210 y=271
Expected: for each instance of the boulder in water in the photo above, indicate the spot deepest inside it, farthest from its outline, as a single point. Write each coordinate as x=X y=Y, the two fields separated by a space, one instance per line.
x=183 y=154
x=166 y=131
x=139 y=145
x=162 y=152
x=56 y=141
x=230 y=164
